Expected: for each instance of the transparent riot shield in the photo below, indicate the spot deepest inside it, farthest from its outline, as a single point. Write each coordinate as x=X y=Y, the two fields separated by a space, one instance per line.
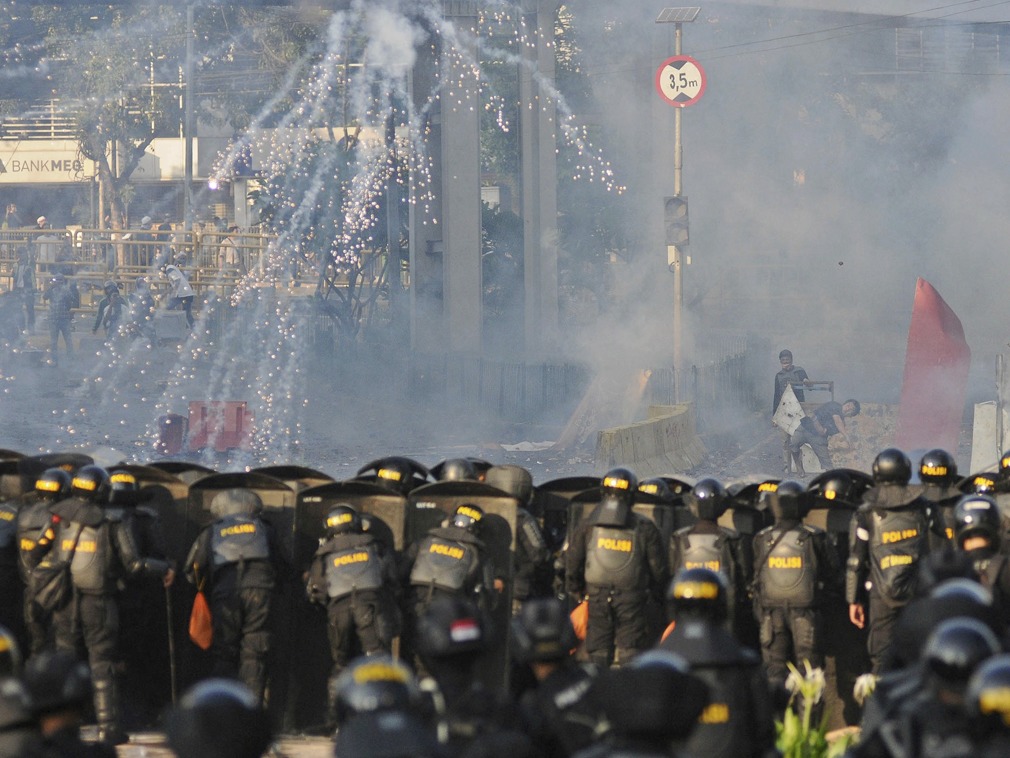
x=430 y=505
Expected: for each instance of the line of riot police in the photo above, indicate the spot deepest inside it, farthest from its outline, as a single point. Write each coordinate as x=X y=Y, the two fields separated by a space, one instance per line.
x=777 y=568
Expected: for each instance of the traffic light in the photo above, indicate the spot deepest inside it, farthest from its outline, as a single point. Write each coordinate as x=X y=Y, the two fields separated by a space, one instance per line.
x=675 y=220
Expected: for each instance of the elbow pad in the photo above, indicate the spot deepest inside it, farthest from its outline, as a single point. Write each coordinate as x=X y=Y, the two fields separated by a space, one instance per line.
x=853 y=590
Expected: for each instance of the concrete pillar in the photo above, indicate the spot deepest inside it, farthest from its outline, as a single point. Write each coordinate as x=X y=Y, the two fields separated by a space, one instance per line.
x=446 y=314
x=538 y=177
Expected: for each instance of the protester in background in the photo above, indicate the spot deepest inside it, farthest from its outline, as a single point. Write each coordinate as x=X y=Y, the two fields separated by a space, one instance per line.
x=181 y=295
x=24 y=284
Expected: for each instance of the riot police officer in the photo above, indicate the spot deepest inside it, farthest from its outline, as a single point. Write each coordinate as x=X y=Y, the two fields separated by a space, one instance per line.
x=938 y=474
x=240 y=560
x=354 y=576
x=558 y=710
x=379 y=702
x=931 y=720
x=100 y=549
x=738 y=720
x=452 y=636
x=977 y=533
x=11 y=587
x=59 y=686
x=706 y=544
x=616 y=559
x=888 y=537
x=52 y=485
x=532 y=575
x=219 y=718
x=652 y=706
x=988 y=707
x=792 y=566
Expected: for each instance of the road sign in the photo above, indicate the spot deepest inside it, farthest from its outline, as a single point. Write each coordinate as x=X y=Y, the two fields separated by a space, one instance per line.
x=680 y=81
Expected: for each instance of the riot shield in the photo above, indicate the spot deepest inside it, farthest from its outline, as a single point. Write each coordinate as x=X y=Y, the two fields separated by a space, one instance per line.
x=278 y=509
x=11 y=484
x=186 y=471
x=430 y=505
x=297 y=478
x=383 y=513
x=551 y=499
x=146 y=608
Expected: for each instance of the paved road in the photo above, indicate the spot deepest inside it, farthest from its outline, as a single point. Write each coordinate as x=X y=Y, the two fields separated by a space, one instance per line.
x=150 y=745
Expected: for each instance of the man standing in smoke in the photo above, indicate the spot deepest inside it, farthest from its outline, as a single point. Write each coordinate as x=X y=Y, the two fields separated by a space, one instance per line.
x=795 y=376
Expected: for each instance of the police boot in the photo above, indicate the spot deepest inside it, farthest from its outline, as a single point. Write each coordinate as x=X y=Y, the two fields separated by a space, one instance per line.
x=332 y=693
x=107 y=713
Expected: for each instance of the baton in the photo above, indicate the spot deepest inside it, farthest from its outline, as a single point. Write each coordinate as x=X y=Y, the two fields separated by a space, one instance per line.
x=171 y=641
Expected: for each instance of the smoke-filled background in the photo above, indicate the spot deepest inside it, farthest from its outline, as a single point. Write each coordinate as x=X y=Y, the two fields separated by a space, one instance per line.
x=833 y=159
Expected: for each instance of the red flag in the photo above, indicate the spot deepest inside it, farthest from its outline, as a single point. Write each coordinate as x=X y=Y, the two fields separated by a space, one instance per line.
x=936 y=375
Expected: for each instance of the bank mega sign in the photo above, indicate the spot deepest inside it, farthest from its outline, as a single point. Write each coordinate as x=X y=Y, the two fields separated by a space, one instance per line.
x=43 y=162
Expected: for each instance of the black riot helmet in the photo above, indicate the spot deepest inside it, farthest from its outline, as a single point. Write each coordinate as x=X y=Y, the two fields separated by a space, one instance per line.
x=53 y=484
x=91 y=483
x=938 y=467
x=218 y=717
x=1004 y=464
x=395 y=474
x=10 y=654
x=708 y=500
x=374 y=684
x=543 y=631
x=891 y=466
x=699 y=593
x=962 y=589
x=982 y=484
x=456 y=470
x=515 y=480
x=658 y=488
x=987 y=699
x=676 y=698
x=236 y=501
x=977 y=515
x=124 y=488
x=839 y=488
x=956 y=647
x=341 y=518
x=788 y=502
x=468 y=516
x=57 y=680
x=451 y=627
x=619 y=484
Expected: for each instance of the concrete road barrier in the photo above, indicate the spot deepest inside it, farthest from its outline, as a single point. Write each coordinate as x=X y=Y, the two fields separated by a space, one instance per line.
x=665 y=443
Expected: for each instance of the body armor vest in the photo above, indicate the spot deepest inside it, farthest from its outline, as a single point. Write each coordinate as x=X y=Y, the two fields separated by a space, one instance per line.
x=238 y=538
x=8 y=526
x=708 y=551
x=724 y=727
x=898 y=538
x=614 y=558
x=443 y=563
x=89 y=558
x=788 y=571
x=353 y=569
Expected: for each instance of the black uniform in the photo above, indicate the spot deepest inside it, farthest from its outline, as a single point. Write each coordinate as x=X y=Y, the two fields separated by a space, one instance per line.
x=353 y=576
x=705 y=544
x=101 y=549
x=792 y=567
x=532 y=560
x=11 y=585
x=32 y=519
x=942 y=499
x=449 y=561
x=559 y=712
x=239 y=558
x=618 y=566
x=889 y=535
x=738 y=720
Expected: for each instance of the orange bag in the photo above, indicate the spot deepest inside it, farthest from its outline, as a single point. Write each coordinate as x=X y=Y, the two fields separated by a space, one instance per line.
x=580 y=619
x=201 y=630
x=666 y=632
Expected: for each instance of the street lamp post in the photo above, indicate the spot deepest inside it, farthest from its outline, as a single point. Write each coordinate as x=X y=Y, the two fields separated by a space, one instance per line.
x=675 y=255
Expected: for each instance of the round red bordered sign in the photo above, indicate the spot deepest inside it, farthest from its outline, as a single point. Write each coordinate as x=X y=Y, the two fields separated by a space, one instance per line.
x=680 y=81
